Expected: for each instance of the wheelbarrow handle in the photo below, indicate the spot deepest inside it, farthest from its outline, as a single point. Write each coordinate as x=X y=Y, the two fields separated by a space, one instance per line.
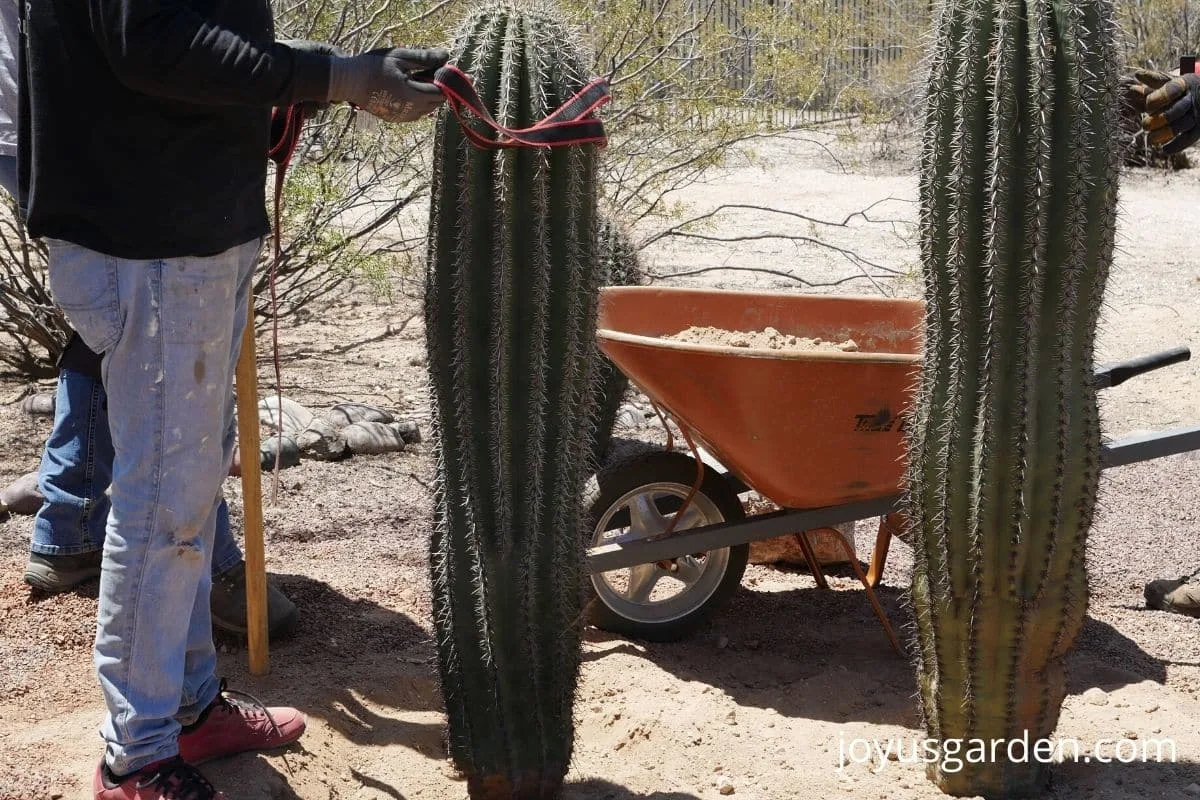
x=1116 y=374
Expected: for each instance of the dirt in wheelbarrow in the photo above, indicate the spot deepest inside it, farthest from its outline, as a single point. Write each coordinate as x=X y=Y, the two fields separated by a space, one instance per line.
x=766 y=700
x=767 y=338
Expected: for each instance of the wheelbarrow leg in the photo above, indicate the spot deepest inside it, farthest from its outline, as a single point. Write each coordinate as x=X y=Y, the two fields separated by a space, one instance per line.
x=883 y=541
x=883 y=620
x=810 y=555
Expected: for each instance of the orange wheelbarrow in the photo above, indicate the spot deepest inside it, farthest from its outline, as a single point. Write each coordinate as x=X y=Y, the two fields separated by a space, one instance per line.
x=819 y=433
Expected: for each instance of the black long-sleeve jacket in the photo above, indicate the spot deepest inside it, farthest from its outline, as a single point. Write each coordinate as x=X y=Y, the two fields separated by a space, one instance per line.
x=144 y=123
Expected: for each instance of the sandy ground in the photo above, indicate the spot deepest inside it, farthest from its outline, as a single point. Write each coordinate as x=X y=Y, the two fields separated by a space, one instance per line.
x=784 y=679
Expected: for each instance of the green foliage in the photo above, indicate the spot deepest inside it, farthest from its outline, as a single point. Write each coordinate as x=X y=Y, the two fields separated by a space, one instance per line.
x=1158 y=32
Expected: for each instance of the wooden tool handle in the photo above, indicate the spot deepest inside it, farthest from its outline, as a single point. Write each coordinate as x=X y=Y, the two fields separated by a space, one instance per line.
x=248 y=444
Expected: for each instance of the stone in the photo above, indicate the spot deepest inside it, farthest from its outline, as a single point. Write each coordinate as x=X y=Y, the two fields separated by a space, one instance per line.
x=295 y=416
x=1096 y=696
x=409 y=431
x=322 y=442
x=289 y=455
x=1193 y=789
x=39 y=405
x=786 y=550
x=22 y=496
x=373 y=438
x=628 y=416
x=345 y=414
x=725 y=785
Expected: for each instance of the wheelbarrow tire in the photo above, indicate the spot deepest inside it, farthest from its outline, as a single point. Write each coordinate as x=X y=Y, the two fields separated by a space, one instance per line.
x=625 y=476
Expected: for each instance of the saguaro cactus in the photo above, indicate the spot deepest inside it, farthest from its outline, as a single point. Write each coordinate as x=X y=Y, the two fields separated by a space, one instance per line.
x=619 y=266
x=1018 y=191
x=510 y=305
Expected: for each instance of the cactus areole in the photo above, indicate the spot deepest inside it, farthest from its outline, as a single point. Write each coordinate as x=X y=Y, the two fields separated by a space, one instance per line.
x=512 y=285
x=1018 y=193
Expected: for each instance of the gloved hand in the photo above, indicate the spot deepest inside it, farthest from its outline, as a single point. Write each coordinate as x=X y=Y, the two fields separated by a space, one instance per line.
x=388 y=82
x=1172 y=114
x=311 y=107
x=1140 y=84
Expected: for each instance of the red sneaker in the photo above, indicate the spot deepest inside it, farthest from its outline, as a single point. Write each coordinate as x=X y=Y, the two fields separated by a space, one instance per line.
x=173 y=779
x=230 y=726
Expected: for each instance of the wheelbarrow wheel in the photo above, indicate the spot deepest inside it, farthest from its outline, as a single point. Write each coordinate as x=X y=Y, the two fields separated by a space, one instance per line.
x=665 y=601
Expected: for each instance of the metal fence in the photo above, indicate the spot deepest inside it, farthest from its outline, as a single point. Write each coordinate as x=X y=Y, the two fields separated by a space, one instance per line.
x=851 y=42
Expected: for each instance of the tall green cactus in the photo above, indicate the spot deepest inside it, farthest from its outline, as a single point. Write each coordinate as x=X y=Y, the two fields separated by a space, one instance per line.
x=510 y=304
x=620 y=266
x=1018 y=192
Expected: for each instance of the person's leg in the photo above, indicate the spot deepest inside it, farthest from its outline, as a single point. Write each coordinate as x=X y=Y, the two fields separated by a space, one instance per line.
x=228 y=599
x=226 y=553
x=75 y=474
x=166 y=328
x=214 y=724
x=75 y=471
x=8 y=175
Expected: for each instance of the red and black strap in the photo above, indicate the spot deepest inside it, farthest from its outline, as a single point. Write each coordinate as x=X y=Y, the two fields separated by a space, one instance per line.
x=571 y=123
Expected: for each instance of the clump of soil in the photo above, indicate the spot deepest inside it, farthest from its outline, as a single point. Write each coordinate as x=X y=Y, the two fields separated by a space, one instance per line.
x=768 y=338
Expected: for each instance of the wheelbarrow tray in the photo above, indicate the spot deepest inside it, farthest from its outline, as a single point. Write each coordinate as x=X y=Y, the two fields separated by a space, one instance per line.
x=803 y=428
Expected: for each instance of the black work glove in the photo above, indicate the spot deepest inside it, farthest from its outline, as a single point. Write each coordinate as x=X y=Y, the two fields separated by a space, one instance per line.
x=1173 y=114
x=391 y=83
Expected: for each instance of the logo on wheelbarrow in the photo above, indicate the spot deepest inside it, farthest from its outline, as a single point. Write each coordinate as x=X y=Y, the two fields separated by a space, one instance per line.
x=882 y=421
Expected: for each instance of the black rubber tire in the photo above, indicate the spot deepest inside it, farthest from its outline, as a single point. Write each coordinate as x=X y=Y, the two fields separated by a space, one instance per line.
x=643 y=469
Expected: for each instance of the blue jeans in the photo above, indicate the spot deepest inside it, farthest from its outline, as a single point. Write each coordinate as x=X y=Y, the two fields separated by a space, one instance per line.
x=170 y=331
x=75 y=474
x=8 y=174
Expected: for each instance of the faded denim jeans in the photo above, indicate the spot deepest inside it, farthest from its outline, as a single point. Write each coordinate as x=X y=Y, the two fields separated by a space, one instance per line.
x=75 y=474
x=170 y=331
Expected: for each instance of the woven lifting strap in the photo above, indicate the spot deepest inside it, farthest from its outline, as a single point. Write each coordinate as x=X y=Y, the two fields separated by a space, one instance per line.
x=570 y=124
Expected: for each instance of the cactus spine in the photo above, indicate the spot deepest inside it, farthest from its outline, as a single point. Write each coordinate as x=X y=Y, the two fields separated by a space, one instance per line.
x=1018 y=194
x=510 y=304
x=619 y=266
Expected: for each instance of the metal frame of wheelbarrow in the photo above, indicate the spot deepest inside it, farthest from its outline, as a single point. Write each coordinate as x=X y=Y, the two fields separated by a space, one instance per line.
x=629 y=551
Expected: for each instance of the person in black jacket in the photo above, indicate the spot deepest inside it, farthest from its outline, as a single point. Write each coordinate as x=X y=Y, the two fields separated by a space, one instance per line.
x=143 y=129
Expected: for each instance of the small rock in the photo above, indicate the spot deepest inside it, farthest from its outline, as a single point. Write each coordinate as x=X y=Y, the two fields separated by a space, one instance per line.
x=1131 y=735
x=289 y=452
x=629 y=417
x=731 y=718
x=39 y=405
x=22 y=496
x=373 y=438
x=739 y=340
x=295 y=416
x=1096 y=696
x=724 y=785
x=322 y=442
x=1193 y=789
x=1150 y=709
x=723 y=642
x=345 y=414
x=409 y=431
x=848 y=346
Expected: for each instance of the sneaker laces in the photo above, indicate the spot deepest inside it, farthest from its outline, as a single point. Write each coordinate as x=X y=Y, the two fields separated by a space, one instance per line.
x=227 y=696
x=178 y=780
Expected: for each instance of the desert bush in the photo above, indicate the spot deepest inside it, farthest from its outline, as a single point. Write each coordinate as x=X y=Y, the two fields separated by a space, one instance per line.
x=33 y=329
